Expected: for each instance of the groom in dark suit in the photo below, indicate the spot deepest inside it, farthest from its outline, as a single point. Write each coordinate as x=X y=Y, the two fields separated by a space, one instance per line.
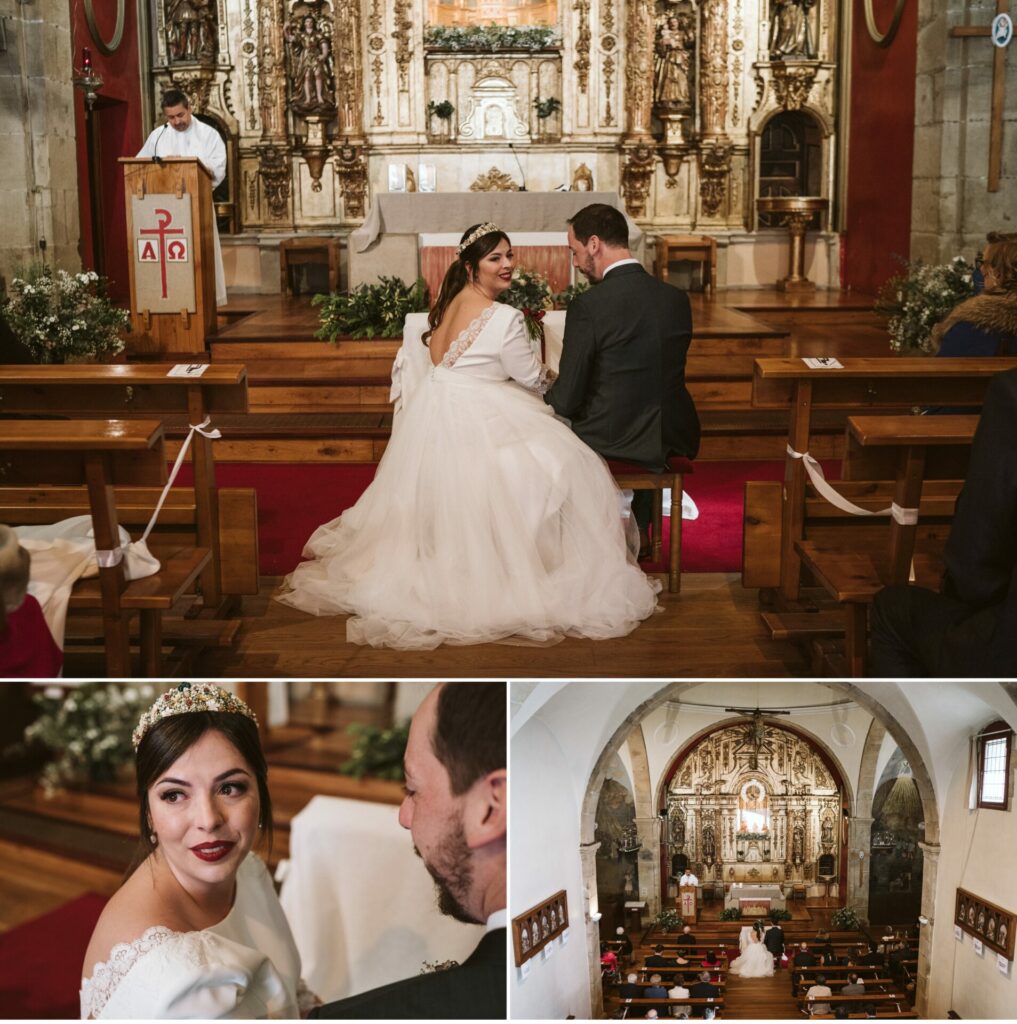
x=456 y=810
x=621 y=382
x=970 y=627
x=773 y=939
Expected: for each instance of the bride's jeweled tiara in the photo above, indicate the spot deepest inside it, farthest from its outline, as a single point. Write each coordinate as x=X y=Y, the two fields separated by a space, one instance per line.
x=186 y=698
x=487 y=228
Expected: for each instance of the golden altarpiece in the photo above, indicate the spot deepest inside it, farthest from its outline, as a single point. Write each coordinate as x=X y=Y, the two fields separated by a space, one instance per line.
x=690 y=109
x=756 y=804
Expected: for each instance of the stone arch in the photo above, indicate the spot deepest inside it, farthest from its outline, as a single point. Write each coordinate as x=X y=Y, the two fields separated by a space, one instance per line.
x=921 y=774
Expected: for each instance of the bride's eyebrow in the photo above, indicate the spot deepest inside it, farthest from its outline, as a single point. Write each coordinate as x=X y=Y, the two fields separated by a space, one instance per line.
x=218 y=778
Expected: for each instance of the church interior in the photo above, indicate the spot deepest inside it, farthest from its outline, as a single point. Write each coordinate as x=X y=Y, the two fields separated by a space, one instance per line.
x=780 y=159
x=867 y=820
x=69 y=831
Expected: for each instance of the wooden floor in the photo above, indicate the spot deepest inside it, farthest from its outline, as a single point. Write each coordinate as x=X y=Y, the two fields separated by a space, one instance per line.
x=711 y=629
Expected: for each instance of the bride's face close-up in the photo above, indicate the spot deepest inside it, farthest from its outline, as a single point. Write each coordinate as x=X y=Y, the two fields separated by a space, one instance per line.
x=494 y=271
x=204 y=811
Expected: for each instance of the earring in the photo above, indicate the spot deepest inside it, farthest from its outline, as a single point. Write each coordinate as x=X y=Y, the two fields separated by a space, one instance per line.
x=153 y=839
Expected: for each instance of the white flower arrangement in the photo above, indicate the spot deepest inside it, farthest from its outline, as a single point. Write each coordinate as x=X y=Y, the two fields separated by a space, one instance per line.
x=920 y=298
x=58 y=315
x=88 y=731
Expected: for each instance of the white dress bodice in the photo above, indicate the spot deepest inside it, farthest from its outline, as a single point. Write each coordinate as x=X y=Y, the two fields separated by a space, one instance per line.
x=246 y=967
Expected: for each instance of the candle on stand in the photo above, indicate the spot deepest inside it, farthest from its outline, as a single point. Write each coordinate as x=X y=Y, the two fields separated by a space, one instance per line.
x=86 y=59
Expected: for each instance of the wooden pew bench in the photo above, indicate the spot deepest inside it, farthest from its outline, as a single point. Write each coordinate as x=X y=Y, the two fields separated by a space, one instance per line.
x=646 y=1004
x=778 y=516
x=147 y=390
x=853 y=573
x=93 y=442
x=897 y=999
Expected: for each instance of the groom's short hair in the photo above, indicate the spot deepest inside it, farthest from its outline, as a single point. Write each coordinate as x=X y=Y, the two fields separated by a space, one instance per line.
x=604 y=221
x=469 y=731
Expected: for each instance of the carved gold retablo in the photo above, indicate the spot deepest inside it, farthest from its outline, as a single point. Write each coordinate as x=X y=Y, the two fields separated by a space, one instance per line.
x=494 y=181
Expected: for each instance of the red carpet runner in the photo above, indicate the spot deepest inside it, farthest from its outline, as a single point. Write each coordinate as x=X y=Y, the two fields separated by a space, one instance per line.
x=40 y=961
x=295 y=499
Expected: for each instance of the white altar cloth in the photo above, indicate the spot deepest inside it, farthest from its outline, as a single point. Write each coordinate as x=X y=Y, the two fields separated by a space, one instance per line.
x=360 y=902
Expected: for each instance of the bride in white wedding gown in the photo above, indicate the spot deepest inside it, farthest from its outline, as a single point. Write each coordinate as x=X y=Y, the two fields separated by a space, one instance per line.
x=756 y=960
x=488 y=518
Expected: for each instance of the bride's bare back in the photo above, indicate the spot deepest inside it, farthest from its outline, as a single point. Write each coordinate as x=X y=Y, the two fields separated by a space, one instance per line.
x=462 y=311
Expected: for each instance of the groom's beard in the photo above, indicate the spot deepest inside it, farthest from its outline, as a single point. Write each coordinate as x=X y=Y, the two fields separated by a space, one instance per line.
x=452 y=872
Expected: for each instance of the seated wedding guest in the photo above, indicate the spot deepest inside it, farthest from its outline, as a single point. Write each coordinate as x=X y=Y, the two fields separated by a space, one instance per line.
x=985 y=324
x=679 y=991
x=686 y=938
x=969 y=628
x=625 y=949
x=197 y=929
x=27 y=648
x=655 y=990
x=818 y=991
x=456 y=811
x=711 y=960
x=854 y=987
x=704 y=989
x=873 y=958
x=631 y=990
x=608 y=959
x=657 y=958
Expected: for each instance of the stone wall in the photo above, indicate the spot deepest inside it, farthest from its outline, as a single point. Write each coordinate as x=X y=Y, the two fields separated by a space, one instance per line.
x=951 y=209
x=39 y=172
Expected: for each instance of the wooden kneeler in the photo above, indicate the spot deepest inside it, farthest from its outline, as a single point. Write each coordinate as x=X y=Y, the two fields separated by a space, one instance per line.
x=629 y=476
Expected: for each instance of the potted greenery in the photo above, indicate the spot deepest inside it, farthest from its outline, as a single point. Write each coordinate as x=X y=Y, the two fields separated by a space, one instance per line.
x=731 y=914
x=442 y=113
x=60 y=317
x=844 y=919
x=370 y=310
x=488 y=38
x=669 y=920
x=87 y=731
x=545 y=109
x=377 y=752
x=920 y=298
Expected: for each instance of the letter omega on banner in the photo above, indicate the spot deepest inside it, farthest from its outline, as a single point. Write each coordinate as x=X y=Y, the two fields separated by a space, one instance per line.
x=164 y=279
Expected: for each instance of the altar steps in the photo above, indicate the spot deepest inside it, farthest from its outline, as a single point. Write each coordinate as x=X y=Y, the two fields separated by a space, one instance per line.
x=314 y=401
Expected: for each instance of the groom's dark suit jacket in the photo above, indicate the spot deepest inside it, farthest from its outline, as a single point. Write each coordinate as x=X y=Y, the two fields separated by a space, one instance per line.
x=622 y=376
x=474 y=989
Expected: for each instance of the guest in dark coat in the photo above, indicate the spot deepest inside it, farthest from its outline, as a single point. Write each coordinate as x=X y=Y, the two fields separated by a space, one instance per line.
x=969 y=628
x=631 y=990
x=986 y=324
x=621 y=381
x=657 y=958
x=703 y=989
x=686 y=938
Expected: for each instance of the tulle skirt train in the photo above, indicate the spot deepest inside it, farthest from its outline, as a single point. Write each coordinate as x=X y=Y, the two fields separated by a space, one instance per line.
x=488 y=519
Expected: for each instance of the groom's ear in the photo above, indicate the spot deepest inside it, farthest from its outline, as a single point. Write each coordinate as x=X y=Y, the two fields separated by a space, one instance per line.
x=485 y=811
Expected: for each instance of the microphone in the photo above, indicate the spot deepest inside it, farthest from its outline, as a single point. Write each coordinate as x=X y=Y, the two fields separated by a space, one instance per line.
x=155 y=149
x=522 y=188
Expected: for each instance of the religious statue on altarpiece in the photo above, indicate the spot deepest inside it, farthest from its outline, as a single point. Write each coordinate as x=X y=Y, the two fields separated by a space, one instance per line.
x=672 y=70
x=791 y=30
x=191 y=34
x=311 y=67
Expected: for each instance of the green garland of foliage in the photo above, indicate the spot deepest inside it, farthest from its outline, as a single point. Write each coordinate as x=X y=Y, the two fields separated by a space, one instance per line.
x=377 y=752
x=669 y=920
x=776 y=915
x=489 y=37
x=563 y=299
x=370 y=310
x=731 y=914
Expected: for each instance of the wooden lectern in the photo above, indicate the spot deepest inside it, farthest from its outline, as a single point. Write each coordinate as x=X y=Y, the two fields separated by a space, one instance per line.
x=688 y=903
x=172 y=256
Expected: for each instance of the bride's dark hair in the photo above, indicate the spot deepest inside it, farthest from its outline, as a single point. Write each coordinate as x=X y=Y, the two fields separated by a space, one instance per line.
x=460 y=273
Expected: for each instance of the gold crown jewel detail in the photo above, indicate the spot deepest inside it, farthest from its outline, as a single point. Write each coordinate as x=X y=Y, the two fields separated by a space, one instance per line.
x=485 y=229
x=189 y=697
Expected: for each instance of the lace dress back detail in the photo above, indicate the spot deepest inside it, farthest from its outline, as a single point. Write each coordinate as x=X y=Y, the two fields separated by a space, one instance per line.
x=467 y=336
x=107 y=975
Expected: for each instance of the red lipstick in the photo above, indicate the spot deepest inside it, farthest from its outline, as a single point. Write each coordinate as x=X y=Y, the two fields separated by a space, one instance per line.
x=212 y=852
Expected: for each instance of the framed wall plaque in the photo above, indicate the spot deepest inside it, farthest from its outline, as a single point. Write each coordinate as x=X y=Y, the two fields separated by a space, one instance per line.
x=536 y=927
x=991 y=925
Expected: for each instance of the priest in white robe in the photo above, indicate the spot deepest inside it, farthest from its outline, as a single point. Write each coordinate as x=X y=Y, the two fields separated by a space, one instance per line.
x=184 y=135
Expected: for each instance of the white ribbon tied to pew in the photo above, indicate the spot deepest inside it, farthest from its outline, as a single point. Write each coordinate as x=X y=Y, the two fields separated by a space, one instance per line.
x=901 y=516
x=64 y=552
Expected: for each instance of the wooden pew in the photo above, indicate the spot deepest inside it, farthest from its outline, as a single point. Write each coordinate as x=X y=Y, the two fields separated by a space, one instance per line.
x=776 y=515
x=897 y=998
x=853 y=574
x=646 y=1004
x=147 y=390
x=94 y=441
